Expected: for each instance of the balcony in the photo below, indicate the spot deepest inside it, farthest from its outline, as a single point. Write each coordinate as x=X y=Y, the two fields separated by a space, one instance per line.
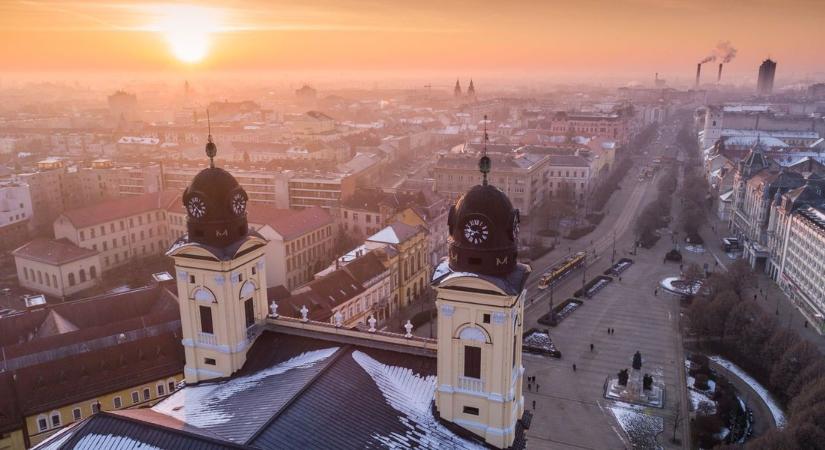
x=207 y=338
x=470 y=384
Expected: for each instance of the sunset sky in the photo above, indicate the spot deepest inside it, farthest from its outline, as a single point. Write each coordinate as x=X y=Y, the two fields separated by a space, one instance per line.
x=628 y=36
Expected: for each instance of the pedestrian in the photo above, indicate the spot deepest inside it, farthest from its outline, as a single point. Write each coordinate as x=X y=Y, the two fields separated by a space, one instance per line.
x=534 y=404
x=591 y=348
x=656 y=292
x=529 y=386
x=620 y=279
x=608 y=331
x=754 y=297
x=574 y=367
x=537 y=388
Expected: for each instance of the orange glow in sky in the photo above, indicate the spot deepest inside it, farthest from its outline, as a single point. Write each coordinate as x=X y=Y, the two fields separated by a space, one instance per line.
x=618 y=36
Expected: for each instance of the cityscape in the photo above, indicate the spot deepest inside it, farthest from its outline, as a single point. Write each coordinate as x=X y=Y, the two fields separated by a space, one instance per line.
x=458 y=225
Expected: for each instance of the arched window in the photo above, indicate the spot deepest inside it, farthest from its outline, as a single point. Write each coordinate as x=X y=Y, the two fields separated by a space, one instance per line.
x=93 y=272
x=71 y=279
x=247 y=289
x=82 y=275
x=42 y=423
x=203 y=294
x=25 y=273
x=40 y=277
x=55 y=419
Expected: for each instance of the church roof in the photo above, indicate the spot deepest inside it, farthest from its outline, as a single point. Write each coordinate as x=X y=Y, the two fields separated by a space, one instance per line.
x=294 y=392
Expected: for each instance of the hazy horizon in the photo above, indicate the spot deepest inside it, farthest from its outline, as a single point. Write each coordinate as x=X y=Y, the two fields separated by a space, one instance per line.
x=395 y=43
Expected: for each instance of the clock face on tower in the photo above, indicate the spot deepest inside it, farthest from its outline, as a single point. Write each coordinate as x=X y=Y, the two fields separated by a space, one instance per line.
x=238 y=203
x=196 y=207
x=476 y=230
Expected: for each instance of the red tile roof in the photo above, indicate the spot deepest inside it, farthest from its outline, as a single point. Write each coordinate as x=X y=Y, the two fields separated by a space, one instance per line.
x=53 y=251
x=289 y=223
x=119 y=208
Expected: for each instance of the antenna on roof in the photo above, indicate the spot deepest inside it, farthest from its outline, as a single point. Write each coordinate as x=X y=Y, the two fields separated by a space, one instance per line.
x=211 y=148
x=484 y=163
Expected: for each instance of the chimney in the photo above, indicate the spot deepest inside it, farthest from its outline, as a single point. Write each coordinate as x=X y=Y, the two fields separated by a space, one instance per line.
x=698 y=72
x=719 y=78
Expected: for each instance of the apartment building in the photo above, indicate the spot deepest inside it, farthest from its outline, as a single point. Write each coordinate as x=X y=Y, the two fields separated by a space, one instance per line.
x=797 y=243
x=263 y=187
x=348 y=296
x=15 y=213
x=528 y=178
x=122 y=229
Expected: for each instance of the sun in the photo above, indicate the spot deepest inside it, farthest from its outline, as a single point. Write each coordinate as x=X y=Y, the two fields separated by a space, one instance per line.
x=188 y=30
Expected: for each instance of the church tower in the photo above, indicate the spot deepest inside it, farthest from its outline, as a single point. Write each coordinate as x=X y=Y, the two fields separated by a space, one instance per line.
x=220 y=274
x=480 y=299
x=457 y=89
x=471 y=91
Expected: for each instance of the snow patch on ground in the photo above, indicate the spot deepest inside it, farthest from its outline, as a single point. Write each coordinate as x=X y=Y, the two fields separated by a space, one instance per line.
x=702 y=402
x=199 y=405
x=411 y=395
x=776 y=410
x=640 y=428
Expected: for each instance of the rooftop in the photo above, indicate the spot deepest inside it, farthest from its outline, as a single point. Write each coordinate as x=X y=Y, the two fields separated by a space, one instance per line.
x=53 y=251
x=120 y=208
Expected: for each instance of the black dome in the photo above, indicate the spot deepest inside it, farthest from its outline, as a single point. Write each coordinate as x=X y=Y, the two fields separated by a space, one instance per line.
x=483 y=232
x=216 y=208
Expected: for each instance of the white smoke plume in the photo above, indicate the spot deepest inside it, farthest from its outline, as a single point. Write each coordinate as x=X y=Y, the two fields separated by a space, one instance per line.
x=725 y=52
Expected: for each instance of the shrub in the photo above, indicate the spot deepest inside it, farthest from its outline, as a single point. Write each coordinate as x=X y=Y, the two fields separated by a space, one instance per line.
x=580 y=232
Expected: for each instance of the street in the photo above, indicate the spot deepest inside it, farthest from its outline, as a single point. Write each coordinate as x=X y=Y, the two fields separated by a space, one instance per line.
x=571 y=411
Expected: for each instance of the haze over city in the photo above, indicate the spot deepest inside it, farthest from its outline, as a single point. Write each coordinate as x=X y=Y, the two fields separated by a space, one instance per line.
x=598 y=41
x=362 y=224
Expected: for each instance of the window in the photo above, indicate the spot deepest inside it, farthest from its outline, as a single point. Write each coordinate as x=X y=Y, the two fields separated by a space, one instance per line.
x=82 y=235
x=146 y=394
x=71 y=279
x=95 y=407
x=472 y=361
x=206 y=319
x=77 y=414
x=171 y=387
x=135 y=397
x=54 y=280
x=42 y=423
x=254 y=270
x=161 y=390
x=249 y=312
x=92 y=232
x=191 y=279
x=82 y=275
x=55 y=419
x=117 y=403
x=471 y=410
x=486 y=318
x=210 y=361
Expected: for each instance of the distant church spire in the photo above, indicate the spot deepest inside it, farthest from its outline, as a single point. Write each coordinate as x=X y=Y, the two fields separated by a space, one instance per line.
x=457 y=89
x=471 y=90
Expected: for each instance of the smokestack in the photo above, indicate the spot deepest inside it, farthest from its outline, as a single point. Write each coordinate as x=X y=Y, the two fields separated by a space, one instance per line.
x=698 y=72
x=719 y=78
